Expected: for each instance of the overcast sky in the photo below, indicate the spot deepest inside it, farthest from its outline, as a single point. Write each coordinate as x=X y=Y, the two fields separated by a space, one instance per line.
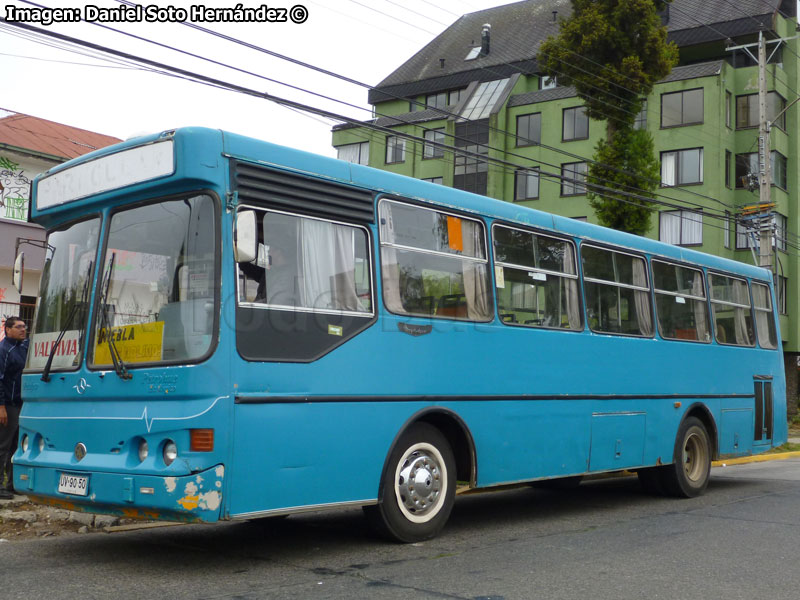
x=364 y=40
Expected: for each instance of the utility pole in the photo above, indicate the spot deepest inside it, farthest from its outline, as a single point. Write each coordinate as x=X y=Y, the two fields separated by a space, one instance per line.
x=765 y=176
x=764 y=154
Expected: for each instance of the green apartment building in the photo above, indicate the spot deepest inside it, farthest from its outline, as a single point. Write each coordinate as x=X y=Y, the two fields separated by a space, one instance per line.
x=477 y=88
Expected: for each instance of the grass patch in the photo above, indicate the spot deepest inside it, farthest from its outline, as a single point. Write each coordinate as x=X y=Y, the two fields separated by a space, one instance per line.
x=787 y=447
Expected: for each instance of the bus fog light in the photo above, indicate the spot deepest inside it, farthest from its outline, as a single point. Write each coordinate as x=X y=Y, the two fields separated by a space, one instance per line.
x=142 y=450
x=170 y=452
x=24 y=443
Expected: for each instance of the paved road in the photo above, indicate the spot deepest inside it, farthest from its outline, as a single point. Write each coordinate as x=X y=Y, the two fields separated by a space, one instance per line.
x=606 y=540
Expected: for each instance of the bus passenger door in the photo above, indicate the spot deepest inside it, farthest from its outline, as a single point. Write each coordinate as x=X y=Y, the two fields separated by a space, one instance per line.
x=762 y=433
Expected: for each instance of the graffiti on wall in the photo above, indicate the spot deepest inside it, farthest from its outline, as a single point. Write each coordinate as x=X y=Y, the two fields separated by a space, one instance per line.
x=14 y=190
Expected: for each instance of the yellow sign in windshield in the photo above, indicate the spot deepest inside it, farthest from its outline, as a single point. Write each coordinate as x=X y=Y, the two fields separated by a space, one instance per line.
x=135 y=343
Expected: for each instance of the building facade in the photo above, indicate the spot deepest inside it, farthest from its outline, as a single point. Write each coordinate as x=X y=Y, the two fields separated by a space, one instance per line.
x=29 y=146
x=471 y=110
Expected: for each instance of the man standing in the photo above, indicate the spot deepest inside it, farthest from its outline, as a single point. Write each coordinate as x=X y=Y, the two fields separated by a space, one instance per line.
x=13 y=351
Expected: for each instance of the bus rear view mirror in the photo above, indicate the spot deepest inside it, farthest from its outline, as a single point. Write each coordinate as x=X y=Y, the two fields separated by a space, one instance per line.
x=19 y=268
x=246 y=237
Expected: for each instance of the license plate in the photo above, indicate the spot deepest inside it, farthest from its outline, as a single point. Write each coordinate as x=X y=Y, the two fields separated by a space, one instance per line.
x=77 y=485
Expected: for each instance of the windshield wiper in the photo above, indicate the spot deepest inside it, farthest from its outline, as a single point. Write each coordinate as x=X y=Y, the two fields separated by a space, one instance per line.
x=119 y=365
x=68 y=323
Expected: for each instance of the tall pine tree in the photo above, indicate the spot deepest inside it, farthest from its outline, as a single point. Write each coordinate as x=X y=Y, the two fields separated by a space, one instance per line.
x=613 y=52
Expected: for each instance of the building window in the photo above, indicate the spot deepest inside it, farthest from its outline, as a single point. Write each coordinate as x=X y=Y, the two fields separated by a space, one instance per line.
x=436 y=100
x=575 y=124
x=682 y=167
x=470 y=172
x=778 y=169
x=395 y=149
x=581 y=219
x=573 y=178
x=726 y=232
x=747 y=169
x=457 y=95
x=681 y=227
x=547 y=83
x=438 y=180
x=728 y=99
x=529 y=129
x=526 y=184
x=728 y=157
x=779 y=232
x=747 y=110
x=354 y=153
x=682 y=108
x=641 y=118
x=429 y=150
x=744 y=235
x=780 y=291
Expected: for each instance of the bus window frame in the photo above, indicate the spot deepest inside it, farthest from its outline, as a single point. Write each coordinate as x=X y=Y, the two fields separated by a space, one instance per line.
x=709 y=274
x=577 y=276
x=103 y=253
x=648 y=276
x=706 y=300
x=447 y=211
x=372 y=314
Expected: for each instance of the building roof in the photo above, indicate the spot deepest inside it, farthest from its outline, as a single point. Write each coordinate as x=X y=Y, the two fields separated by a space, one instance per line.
x=518 y=29
x=43 y=137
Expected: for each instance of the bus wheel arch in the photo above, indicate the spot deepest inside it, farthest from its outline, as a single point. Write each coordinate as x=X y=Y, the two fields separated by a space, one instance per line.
x=701 y=412
x=417 y=486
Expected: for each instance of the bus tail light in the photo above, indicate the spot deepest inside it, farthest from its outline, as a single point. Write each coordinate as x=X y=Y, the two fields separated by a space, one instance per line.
x=201 y=440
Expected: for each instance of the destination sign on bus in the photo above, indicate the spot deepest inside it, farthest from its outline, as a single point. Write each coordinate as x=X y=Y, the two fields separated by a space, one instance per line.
x=111 y=172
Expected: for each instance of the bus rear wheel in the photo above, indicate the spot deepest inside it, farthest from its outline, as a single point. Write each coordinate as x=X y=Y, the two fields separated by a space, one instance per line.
x=688 y=475
x=418 y=487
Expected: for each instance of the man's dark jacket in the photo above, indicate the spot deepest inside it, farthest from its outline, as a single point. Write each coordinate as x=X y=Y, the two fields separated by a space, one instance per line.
x=12 y=360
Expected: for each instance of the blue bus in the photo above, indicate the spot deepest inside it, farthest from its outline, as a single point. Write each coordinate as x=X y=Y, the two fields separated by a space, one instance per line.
x=230 y=329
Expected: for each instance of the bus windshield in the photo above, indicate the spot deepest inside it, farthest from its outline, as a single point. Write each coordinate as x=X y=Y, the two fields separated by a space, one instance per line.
x=157 y=297
x=64 y=296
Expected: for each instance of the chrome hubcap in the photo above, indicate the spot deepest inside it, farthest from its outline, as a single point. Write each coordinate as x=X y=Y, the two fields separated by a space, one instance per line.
x=420 y=482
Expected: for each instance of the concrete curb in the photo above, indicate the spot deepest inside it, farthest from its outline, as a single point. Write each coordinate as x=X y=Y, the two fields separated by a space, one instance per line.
x=744 y=460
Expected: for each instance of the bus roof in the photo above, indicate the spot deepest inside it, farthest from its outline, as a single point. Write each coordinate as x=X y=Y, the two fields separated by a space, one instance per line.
x=384 y=182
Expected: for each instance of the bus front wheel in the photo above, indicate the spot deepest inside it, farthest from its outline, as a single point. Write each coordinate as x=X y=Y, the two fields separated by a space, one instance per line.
x=418 y=487
x=688 y=476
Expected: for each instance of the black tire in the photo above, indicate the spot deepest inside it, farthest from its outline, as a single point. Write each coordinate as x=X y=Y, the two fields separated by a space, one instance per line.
x=415 y=510
x=651 y=480
x=688 y=475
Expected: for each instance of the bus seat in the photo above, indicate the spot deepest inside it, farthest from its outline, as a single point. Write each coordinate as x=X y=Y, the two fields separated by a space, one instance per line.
x=452 y=305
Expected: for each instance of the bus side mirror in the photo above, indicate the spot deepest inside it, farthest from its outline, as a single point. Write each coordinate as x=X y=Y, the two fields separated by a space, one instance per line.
x=19 y=269
x=246 y=237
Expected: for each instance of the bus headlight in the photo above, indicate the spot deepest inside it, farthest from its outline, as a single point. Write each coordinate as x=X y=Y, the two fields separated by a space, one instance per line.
x=142 y=450
x=170 y=452
x=41 y=443
x=24 y=443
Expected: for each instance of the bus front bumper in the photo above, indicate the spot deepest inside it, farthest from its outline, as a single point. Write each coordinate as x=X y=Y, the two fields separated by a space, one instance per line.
x=190 y=498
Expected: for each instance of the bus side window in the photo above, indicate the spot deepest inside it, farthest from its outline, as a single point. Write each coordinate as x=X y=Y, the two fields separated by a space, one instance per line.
x=617 y=292
x=537 y=280
x=434 y=263
x=731 y=310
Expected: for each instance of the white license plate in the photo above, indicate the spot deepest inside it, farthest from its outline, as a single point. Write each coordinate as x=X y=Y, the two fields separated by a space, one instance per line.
x=77 y=485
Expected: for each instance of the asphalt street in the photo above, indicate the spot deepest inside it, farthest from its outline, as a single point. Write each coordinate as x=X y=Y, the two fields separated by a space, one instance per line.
x=604 y=540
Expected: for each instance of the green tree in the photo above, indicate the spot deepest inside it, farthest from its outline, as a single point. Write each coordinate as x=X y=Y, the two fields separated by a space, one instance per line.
x=613 y=52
